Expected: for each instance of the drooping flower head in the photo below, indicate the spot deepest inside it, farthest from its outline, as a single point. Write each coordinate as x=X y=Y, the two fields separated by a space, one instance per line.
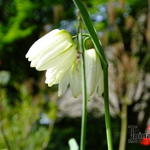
x=94 y=76
x=54 y=52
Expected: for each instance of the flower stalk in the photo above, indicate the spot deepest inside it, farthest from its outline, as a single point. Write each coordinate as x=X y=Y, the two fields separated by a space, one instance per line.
x=84 y=96
x=99 y=49
x=84 y=85
x=107 y=112
x=123 y=132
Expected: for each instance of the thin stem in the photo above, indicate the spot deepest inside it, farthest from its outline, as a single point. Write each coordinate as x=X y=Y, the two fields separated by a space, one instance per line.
x=84 y=88
x=84 y=41
x=123 y=133
x=100 y=52
x=84 y=94
x=107 y=113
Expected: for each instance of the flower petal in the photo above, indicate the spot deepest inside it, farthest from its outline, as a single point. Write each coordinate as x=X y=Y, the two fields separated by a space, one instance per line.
x=91 y=71
x=75 y=80
x=47 y=43
x=63 y=84
x=34 y=48
x=58 y=50
x=58 y=66
x=101 y=81
x=94 y=75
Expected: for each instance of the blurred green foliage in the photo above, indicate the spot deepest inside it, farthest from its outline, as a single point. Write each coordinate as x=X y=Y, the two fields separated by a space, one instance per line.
x=22 y=124
x=16 y=25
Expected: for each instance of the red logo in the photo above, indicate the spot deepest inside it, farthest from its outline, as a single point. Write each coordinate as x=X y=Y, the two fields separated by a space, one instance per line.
x=146 y=140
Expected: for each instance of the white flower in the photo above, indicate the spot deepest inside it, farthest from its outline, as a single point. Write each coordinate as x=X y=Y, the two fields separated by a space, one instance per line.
x=54 y=52
x=94 y=76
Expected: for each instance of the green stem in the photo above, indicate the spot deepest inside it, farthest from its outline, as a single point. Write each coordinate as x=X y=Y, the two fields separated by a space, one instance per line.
x=123 y=133
x=107 y=112
x=84 y=94
x=99 y=49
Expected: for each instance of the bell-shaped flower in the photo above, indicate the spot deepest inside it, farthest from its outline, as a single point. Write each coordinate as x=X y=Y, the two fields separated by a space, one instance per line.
x=94 y=76
x=54 y=52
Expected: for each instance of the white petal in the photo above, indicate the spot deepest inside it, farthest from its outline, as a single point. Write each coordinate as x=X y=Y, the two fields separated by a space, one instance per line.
x=54 y=75
x=41 y=40
x=94 y=73
x=75 y=80
x=47 y=43
x=63 y=84
x=59 y=66
x=61 y=61
x=101 y=81
x=58 y=50
x=34 y=62
x=91 y=71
